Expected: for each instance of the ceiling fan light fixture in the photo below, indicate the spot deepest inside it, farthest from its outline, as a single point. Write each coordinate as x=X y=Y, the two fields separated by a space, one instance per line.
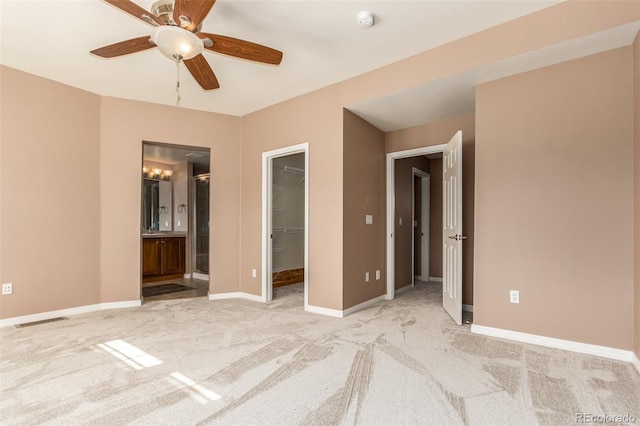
x=174 y=41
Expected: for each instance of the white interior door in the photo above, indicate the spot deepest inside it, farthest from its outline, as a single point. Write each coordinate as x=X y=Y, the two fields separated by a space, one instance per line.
x=452 y=224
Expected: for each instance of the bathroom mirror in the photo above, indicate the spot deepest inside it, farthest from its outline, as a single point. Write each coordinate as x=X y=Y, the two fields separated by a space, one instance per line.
x=156 y=205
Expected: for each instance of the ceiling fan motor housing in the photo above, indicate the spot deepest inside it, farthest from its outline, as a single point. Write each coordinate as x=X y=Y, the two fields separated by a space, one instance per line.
x=163 y=10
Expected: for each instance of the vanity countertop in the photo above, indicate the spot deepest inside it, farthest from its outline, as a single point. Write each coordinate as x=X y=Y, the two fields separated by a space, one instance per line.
x=161 y=234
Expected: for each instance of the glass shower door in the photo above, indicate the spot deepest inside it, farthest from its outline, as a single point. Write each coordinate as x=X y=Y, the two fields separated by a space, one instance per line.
x=201 y=223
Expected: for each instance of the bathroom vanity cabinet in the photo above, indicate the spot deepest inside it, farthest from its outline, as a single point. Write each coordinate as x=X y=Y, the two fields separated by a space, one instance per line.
x=163 y=258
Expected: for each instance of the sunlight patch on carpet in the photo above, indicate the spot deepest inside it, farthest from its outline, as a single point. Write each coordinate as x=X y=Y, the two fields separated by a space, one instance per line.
x=198 y=392
x=129 y=354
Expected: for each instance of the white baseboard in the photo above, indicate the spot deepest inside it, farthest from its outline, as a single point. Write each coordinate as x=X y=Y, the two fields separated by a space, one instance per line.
x=467 y=308
x=636 y=362
x=236 y=295
x=568 y=345
x=421 y=278
x=341 y=314
x=199 y=276
x=363 y=305
x=43 y=316
x=324 y=311
x=435 y=279
x=186 y=276
x=403 y=289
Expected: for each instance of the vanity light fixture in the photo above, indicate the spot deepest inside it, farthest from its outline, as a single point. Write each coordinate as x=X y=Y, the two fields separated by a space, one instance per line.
x=154 y=173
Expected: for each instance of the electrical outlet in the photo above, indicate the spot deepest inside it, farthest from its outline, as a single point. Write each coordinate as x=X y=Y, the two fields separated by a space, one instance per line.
x=7 y=288
x=254 y=273
x=514 y=296
x=378 y=274
x=366 y=277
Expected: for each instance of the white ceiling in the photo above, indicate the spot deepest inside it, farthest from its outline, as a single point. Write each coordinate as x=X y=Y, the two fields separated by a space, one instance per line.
x=321 y=41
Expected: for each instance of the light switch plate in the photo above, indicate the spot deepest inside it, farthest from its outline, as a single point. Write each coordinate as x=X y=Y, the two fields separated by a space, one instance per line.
x=368 y=219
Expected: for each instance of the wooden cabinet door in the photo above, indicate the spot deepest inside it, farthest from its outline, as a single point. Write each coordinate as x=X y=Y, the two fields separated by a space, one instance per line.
x=151 y=257
x=172 y=256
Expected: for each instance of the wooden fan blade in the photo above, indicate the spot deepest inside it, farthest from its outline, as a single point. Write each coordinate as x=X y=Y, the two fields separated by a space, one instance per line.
x=202 y=72
x=243 y=49
x=134 y=10
x=125 y=47
x=195 y=10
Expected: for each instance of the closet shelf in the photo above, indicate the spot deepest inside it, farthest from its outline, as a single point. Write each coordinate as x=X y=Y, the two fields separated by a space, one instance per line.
x=278 y=249
x=278 y=209
x=296 y=171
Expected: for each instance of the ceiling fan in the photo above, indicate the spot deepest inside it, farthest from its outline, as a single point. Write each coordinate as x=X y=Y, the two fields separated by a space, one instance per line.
x=177 y=35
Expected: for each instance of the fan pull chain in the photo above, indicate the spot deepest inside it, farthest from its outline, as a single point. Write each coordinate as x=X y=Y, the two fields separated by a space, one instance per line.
x=178 y=57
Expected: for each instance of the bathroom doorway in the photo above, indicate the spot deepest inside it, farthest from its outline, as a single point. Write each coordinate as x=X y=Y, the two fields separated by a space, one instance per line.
x=174 y=221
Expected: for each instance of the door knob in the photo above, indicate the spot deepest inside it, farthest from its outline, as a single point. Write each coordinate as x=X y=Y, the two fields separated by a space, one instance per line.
x=458 y=237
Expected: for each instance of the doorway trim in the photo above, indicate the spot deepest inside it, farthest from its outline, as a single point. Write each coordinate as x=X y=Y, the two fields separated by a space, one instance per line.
x=391 y=209
x=267 y=198
x=425 y=203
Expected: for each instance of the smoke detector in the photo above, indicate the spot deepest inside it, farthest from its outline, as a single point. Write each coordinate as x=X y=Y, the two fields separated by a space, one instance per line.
x=365 y=19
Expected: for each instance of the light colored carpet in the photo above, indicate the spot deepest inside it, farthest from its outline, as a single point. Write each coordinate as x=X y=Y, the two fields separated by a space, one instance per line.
x=236 y=362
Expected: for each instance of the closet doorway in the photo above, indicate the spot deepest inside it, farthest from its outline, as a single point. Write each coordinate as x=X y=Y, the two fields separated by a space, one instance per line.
x=285 y=227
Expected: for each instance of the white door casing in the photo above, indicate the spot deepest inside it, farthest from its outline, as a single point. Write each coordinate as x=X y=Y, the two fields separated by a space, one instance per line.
x=452 y=228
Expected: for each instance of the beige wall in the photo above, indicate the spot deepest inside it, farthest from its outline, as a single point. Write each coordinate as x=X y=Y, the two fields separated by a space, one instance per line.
x=403 y=238
x=548 y=224
x=636 y=180
x=317 y=117
x=50 y=195
x=364 y=194
x=124 y=125
x=73 y=238
x=435 y=134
